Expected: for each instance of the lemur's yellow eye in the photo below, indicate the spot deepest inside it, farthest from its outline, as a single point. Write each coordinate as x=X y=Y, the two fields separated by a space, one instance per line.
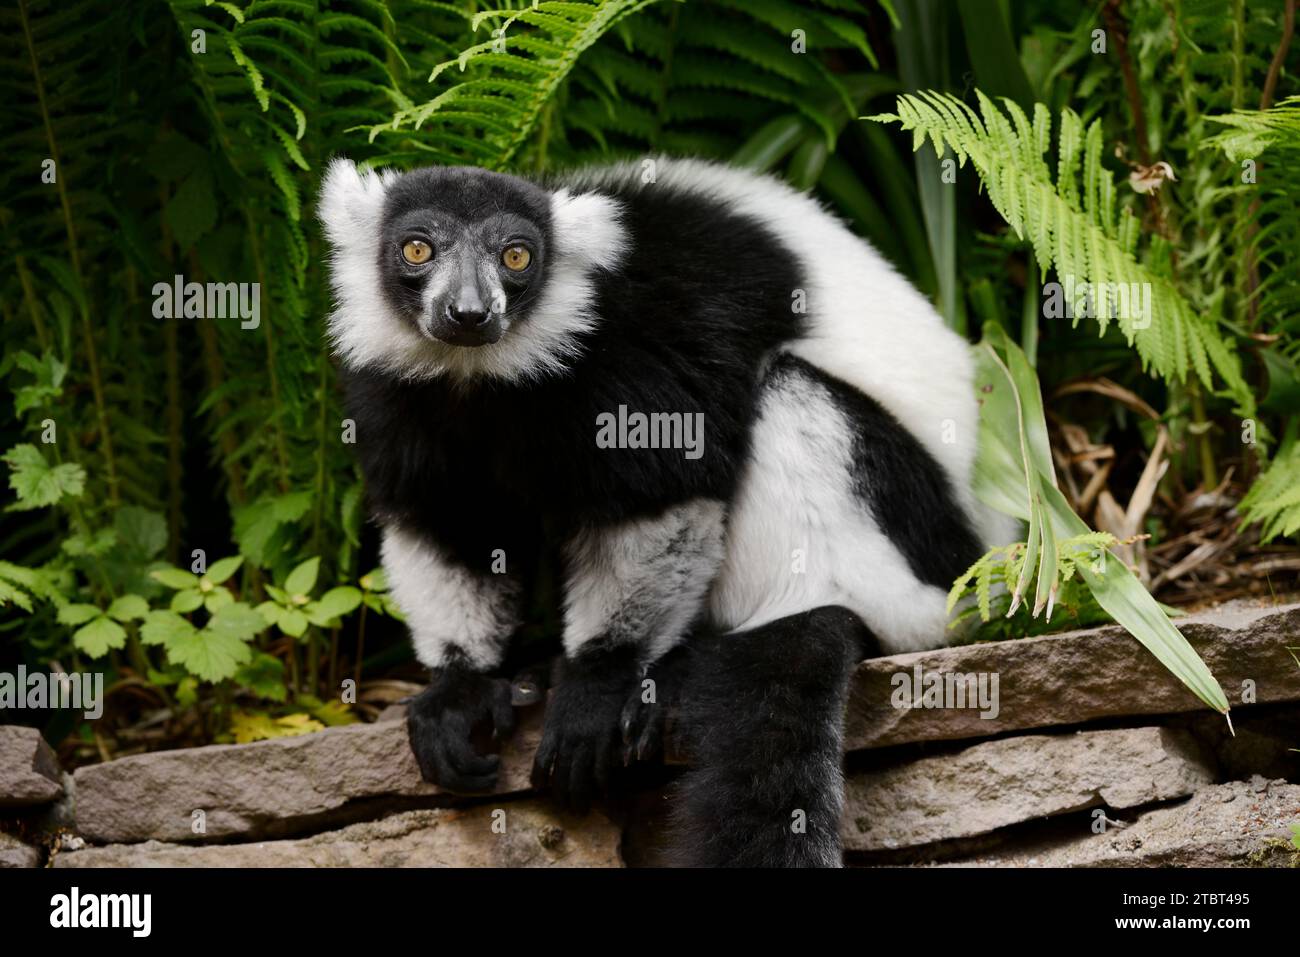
x=516 y=258
x=416 y=251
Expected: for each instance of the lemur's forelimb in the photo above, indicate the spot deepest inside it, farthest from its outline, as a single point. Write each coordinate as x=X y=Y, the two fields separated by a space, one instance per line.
x=632 y=592
x=460 y=621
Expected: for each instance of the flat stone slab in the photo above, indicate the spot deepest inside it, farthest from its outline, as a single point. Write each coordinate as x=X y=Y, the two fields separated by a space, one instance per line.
x=1238 y=824
x=29 y=772
x=1075 y=677
x=268 y=788
x=998 y=783
x=525 y=833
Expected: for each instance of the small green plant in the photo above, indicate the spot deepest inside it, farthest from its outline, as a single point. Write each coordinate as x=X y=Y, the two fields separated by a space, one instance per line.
x=987 y=590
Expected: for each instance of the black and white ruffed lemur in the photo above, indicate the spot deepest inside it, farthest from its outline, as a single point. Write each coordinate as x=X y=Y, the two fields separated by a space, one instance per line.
x=487 y=324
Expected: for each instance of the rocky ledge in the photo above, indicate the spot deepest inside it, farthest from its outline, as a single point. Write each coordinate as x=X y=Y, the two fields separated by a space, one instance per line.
x=1080 y=751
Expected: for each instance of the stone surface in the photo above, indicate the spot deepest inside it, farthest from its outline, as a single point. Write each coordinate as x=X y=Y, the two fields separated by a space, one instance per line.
x=534 y=835
x=997 y=783
x=14 y=853
x=29 y=772
x=1238 y=824
x=1080 y=676
x=268 y=788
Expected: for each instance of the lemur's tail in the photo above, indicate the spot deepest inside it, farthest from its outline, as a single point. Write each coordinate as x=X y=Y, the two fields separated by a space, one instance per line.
x=762 y=719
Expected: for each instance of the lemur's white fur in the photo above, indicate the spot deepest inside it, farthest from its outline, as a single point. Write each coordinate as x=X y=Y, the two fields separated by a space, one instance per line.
x=867 y=326
x=447 y=605
x=588 y=236
x=644 y=580
x=799 y=536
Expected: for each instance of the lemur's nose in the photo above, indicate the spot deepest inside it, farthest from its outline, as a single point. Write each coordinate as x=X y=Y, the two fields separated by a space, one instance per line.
x=466 y=315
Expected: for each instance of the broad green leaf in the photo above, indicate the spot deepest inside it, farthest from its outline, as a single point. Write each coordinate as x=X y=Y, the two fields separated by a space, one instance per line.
x=217 y=599
x=36 y=483
x=264 y=676
x=141 y=530
x=128 y=608
x=236 y=620
x=186 y=600
x=303 y=578
x=210 y=655
x=76 y=614
x=293 y=622
x=175 y=577
x=223 y=569
x=337 y=602
x=164 y=628
x=99 y=635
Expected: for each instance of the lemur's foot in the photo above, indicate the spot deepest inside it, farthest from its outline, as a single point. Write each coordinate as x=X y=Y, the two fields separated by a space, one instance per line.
x=441 y=718
x=580 y=736
x=645 y=713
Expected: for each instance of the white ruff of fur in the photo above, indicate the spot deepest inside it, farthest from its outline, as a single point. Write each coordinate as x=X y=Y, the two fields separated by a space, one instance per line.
x=587 y=236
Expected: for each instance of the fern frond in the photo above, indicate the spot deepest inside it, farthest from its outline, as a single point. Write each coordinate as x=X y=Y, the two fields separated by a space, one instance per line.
x=1274 y=500
x=513 y=76
x=1074 y=227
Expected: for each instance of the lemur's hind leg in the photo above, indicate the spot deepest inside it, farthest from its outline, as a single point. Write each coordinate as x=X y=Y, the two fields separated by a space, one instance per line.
x=762 y=715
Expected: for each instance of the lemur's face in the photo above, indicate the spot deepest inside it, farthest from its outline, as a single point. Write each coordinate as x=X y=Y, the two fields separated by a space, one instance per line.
x=459 y=272
x=462 y=252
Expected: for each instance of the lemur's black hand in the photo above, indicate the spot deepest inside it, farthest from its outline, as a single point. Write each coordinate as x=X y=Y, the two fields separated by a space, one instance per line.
x=581 y=736
x=441 y=718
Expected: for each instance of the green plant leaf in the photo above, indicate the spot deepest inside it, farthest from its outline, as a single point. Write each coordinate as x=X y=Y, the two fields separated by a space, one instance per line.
x=164 y=628
x=186 y=600
x=128 y=608
x=223 y=569
x=264 y=676
x=36 y=483
x=212 y=655
x=99 y=635
x=293 y=622
x=175 y=578
x=76 y=614
x=236 y=620
x=303 y=578
x=336 y=602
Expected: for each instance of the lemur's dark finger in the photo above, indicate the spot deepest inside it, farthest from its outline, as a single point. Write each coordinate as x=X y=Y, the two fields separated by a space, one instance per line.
x=604 y=755
x=560 y=774
x=503 y=712
x=628 y=720
x=544 y=759
x=450 y=779
x=579 y=778
x=462 y=756
x=650 y=744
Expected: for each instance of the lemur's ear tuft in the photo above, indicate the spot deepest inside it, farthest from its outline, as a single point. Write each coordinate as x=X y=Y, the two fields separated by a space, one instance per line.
x=351 y=201
x=589 y=228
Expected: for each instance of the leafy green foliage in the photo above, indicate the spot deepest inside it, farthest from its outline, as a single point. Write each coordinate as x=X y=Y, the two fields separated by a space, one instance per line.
x=1007 y=565
x=1274 y=500
x=1075 y=224
x=37 y=483
x=1014 y=474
